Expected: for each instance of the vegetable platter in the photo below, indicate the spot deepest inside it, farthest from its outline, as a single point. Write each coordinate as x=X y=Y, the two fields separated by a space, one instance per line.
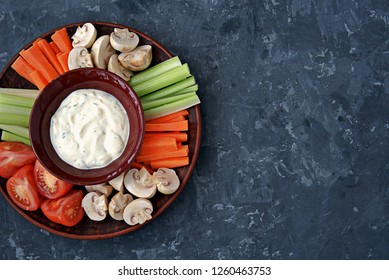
x=109 y=227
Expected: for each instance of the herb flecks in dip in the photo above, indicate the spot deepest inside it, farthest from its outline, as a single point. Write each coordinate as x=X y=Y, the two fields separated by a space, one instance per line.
x=90 y=129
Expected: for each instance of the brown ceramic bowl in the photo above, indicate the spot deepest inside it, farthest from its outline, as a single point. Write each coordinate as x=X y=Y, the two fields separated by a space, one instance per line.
x=47 y=104
x=109 y=227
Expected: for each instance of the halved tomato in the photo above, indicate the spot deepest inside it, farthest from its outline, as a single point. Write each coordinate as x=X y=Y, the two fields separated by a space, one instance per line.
x=65 y=210
x=22 y=189
x=14 y=155
x=48 y=185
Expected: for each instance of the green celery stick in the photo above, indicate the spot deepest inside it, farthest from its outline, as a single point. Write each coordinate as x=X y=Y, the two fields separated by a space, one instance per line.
x=30 y=93
x=155 y=71
x=166 y=79
x=16 y=100
x=193 y=88
x=171 y=107
x=169 y=90
x=166 y=100
x=14 y=119
x=8 y=136
x=18 y=130
x=14 y=109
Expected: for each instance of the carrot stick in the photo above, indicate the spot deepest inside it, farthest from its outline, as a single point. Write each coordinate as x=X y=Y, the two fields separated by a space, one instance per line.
x=154 y=145
x=173 y=126
x=38 y=61
x=170 y=162
x=139 y=166
x=182 y=152
x=23 y=68
x=62 y=40
x=169 y=117
x=50 y=55
x=172 y=119
x=180 y=136
x=38 y=79
x=55 y=48
x=63 y=60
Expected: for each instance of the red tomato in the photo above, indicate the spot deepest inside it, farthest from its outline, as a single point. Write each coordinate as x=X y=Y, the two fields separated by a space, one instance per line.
x=22 y=189
x=65 y=210
x=14 y=155
x=48 y=185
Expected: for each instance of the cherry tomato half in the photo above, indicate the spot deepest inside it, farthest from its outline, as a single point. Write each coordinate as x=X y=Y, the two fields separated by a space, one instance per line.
x=22 y=189
x=14 y=155
x=65 y=210
x=48 y=185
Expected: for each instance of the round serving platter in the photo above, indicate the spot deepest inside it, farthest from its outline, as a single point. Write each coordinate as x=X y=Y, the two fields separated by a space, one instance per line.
x=88 y=229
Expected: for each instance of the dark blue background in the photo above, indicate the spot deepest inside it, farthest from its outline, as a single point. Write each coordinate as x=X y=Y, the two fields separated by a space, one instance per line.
x=294 y=155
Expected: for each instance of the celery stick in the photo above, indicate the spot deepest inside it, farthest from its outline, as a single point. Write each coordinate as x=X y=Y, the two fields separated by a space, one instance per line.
x=155 y=71
x=18 y=130
x=171 y=107
x=16 y=100
x=14 y=119
x=193 y=88
x=8 y=136
x=166 y=79
x=13 y=109
x=169 y=90
x=31 y=93
x=166 y=100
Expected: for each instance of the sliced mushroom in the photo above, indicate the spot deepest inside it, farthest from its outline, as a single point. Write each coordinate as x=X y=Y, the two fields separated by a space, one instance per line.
x=117 y=183
x=166 y=180
x=137 y=59
x=85 y=36
x=79 y=57
x=140 y=183
x=117 y=204
x=104 y=189
x=114 y=66
x=95 y=206
x=138 y=211
x=101 y=52
x=123 y=40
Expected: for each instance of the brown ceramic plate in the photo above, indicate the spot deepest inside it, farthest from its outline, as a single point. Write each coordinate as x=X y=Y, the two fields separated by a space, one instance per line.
x=88 y=229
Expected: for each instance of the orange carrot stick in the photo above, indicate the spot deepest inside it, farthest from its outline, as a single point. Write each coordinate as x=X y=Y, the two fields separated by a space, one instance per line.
x=63 y=59
x=38 y=79
x=168 y=118
x=62 y=40
x=173 y=126
x=50 y=55
x=172 y=119
x=23 y=68
x=170 y=162
x=153 y=145
x=55 y=48
x=180 y=136
x=38 y=61
x=182 y=152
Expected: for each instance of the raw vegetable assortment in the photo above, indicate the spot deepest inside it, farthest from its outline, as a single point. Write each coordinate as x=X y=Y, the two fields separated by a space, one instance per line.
x=165 y=90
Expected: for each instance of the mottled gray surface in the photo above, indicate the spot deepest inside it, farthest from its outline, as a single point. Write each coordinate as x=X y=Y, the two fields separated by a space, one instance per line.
x=294 y=155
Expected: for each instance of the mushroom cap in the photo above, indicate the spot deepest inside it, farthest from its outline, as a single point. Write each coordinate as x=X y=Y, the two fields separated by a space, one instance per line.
x=138 y=211
x=84 y=36
x=79 y=57
x=166 y=180
x=114 y=66
x=140 y=183
x=104 y=189
x=95 y=206
x=137 y=59
x=117 y=204
x=101 y=52
x=123 y=40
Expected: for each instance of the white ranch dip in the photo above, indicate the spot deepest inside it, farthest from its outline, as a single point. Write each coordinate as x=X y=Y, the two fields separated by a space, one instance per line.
x=90 y=129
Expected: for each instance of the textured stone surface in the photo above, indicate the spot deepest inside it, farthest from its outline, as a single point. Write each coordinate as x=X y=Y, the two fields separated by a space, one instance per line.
x=294 y=155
